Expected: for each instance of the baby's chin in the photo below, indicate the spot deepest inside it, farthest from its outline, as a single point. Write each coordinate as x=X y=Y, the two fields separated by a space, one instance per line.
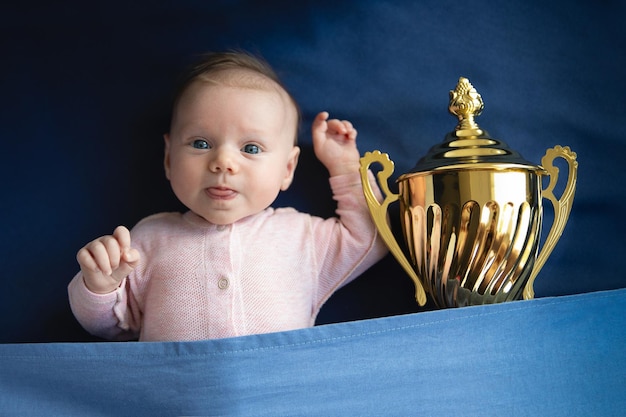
x=219 y=218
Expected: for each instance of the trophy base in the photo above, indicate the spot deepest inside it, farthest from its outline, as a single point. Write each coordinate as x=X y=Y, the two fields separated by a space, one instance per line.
x=454 y=295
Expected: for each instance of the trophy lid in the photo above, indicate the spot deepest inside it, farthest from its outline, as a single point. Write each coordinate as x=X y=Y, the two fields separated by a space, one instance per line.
x=469 y=146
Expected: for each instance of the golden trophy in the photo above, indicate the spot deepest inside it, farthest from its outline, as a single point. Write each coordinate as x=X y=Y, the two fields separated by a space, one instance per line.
x=471 y=212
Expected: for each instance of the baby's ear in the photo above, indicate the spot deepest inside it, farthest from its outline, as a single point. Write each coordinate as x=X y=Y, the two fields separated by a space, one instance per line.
x=166 y=157
x=292 y=163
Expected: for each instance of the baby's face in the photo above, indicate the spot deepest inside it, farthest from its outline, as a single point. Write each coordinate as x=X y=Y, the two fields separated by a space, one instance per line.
x=230 y=150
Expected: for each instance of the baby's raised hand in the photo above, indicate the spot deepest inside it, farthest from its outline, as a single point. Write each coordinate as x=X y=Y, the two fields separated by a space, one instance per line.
x=334 y=142
x=106 y=261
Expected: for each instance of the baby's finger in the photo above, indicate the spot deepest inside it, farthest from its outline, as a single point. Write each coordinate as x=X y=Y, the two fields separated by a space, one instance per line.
x=321 y=116
x=102 y=251
x=113 y=251
x=347 y=124
x=131 y=257
x=86 y=260
x=122 y=234
x=319 y=125
x=337 y=127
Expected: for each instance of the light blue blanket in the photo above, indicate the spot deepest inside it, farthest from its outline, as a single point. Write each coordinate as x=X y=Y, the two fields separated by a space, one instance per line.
x=562 y=356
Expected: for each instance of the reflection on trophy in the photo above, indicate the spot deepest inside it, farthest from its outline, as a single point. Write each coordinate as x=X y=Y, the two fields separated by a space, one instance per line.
x=471 y=212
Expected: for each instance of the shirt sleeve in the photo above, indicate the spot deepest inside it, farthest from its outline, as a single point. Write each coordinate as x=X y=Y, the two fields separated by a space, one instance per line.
x=347 y=245
x=103 y=315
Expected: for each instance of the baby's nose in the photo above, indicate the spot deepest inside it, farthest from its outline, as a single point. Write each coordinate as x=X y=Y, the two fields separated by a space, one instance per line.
x=223 y=161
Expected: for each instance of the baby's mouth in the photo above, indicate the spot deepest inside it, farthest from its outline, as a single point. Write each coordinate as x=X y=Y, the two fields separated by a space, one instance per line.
x=221 y=193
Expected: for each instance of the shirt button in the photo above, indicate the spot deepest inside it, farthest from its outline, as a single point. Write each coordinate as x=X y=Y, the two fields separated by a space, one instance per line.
x=222 y=284
x=221 y=227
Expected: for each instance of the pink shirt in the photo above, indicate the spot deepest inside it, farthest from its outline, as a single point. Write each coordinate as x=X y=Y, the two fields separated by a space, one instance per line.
x=268 y=272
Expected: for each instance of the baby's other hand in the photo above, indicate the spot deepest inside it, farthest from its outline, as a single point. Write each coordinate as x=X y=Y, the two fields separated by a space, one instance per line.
x=106 y=261
x=334 y=142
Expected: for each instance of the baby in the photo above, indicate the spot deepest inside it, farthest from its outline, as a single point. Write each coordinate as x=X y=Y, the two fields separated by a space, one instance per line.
x=231 y=265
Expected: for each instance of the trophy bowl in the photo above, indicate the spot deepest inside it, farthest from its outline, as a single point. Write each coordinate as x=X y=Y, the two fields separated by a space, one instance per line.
x=471 y=212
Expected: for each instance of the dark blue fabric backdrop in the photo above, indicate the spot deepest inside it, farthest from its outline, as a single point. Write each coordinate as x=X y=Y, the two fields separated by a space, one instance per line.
x=85 y=100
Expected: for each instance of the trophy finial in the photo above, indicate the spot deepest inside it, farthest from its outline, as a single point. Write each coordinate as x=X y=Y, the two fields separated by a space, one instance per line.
x=465 y=103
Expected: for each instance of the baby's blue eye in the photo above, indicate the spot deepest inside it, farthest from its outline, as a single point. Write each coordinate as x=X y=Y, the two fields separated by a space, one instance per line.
x=251 y=148
x=200 y=144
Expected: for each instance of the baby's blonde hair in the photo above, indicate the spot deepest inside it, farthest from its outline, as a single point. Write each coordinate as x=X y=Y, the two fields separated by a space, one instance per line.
x=235 y=69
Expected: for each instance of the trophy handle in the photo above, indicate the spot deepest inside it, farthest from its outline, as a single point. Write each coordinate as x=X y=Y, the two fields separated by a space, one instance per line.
x=379 y=213
x=562 y=206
